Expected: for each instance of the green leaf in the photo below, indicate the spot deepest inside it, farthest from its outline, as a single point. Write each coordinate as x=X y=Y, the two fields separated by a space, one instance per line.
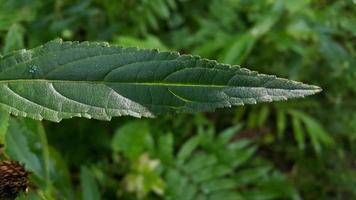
x=26 y=142
x=281 y=122
x=218 y=184
x=30 y=196
x=14 y=39
x=131 y=139
x=226 y=195
x=239 y=49
x=60 y=175
x=318 y=135
x=198 y=162
x=94 y=80
x=225 y=136
x=263 y=116
x=211 y=172
x=187 y=149
x=275 y=187
x=165 y=148
x=22 y=145
x=252 y=175
x=298 y=133
x=150 y=42
x=220 y=170
x=89 y=186
x=4 y=123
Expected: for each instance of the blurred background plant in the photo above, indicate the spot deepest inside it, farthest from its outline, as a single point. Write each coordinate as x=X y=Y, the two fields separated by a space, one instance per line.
x=303 y=149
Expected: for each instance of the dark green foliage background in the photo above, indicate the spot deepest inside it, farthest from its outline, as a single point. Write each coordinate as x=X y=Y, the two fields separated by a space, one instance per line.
x=300 y=149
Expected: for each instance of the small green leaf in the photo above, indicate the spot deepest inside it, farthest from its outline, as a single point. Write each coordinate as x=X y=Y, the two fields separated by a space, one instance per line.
x=165 y=148
x=298 y=132
x=198 y=162
x=14 y=39
x=226 y=195
x=131 y=139
x=281 y=123
x=60 y=175
x=30 y=196
x=315 y=130
x=225 y=136
x=187 y=149
x=4 y=123
x=90 y=190
x=248 y=176
x=263 y=116
x=211 y=172
x=22 y=145
x=218 y=184
x=239 y=49
x=150 y=42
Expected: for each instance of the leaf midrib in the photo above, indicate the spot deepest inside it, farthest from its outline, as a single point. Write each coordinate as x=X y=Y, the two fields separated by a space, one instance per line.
x=145 y=84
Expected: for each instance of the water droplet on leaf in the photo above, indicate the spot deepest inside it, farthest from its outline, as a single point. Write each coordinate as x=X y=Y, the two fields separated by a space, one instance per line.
x=33 y=69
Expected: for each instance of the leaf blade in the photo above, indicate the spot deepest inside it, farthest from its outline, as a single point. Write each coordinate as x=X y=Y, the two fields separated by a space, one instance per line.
x=69 y=79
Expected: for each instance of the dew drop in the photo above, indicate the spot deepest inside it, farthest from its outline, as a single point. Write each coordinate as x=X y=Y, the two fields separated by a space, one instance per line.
x=33 y=69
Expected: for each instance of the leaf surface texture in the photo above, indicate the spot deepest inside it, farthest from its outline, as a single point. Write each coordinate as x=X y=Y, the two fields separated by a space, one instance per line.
x=61 y=80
